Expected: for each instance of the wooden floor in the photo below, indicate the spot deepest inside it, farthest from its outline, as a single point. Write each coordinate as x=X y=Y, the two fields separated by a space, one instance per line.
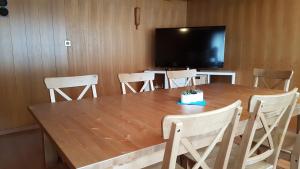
x=283 y=164
x=21 y=150
x=24 y=151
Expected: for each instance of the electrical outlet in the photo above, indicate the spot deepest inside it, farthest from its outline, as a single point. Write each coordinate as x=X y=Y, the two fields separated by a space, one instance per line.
x=67 y=43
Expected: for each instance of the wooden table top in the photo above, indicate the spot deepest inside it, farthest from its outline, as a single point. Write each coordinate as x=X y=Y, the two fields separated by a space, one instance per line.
x=95 y=130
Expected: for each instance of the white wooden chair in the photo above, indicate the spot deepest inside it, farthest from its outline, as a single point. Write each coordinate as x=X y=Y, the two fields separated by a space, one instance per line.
x=290 y=150
x=125 y=79
x=291 y=144
x=273 y=113
x=188 y=75
x=281 y=76
x=55 y=84
x=178 y=130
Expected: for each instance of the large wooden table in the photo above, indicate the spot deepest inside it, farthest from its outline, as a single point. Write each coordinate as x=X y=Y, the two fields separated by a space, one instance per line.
x=125 y=130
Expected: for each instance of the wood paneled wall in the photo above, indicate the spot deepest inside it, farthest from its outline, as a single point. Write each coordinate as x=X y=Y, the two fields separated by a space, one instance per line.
x=104 y=41
x=260 y=33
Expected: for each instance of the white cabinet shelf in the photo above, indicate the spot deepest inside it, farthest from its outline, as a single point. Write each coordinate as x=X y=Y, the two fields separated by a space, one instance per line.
x=201 y=73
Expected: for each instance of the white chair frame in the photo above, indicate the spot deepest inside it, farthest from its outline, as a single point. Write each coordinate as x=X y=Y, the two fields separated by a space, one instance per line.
x=55 y=84
x=189 y=75
x=295 y=156
x=177 y=129
x=126 y=78
x=285 y=76
x=273 y=113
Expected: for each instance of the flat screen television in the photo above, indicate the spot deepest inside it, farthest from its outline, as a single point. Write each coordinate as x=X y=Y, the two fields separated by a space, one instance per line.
x=194 y=47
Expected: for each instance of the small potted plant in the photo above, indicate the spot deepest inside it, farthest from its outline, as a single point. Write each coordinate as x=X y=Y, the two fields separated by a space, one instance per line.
x=191 y=96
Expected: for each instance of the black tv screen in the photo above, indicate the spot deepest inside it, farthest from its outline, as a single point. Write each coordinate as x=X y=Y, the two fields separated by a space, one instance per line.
x=197 y=47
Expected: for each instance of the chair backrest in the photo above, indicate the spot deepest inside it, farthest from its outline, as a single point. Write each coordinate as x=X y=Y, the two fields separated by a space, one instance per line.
x=220 y=124
x=127 y=78
x=272 y=113
x=189 y=75
x=58 y=83
x=262 y=74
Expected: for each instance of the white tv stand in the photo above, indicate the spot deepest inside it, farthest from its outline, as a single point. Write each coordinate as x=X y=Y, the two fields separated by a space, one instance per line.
x=207 y=73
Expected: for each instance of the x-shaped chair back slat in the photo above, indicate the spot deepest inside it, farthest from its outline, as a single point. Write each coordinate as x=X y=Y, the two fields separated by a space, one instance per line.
x=272 y=113
x=179 y=130
x=55 y=84
x=188 y=75
x=147 y=78
x=280 y=76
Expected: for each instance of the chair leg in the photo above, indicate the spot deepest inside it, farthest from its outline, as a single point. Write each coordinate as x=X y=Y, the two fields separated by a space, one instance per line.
x=50 y=154
x=295 y=157
x=295 y=161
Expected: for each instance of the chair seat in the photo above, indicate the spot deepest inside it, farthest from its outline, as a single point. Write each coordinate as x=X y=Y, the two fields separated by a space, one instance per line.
x=260 y=165
x=287 y=147
x=159 y=166
x=288 y=143
x=211 y=159
x=234 y=153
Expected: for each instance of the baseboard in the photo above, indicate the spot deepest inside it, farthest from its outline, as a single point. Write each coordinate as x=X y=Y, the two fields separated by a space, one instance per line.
x=19 y=129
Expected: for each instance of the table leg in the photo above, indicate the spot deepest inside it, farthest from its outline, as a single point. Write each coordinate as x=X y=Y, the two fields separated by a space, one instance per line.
x=208 y=79
x=233 y=79
x=295 y=157
x=166 y=82
x=50 y=154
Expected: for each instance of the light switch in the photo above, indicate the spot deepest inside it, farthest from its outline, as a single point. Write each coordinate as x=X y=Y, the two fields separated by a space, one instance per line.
x=67 y=43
